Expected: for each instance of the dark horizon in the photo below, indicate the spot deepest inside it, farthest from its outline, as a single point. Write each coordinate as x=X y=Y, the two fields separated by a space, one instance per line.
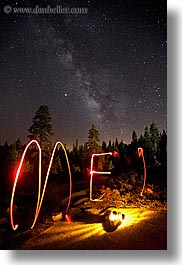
x=77 y=141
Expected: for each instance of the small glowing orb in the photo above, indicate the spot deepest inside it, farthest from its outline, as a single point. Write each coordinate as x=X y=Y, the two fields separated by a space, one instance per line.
x=113 y=220
x=68 y=218
x=116 y=154
x=115 y=216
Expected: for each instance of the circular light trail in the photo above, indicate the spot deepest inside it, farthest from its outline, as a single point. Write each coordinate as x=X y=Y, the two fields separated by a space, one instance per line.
x=40 y=195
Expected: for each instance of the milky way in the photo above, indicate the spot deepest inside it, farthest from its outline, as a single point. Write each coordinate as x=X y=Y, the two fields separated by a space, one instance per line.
x=106 y=67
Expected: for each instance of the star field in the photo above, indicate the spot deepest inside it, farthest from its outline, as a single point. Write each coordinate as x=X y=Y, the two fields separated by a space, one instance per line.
x=106 y=67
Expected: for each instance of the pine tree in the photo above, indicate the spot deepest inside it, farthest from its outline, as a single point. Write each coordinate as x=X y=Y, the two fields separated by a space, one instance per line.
x=134 y=137
x=109 y=146
x=18 y=144
x=104 y=146
x=163 y=147
x=116 y=143
x=148 y=144
x=93 y=140
x=84 y=159
x=147 y=138
x=133 y=147
x=41 y=128
x=15 y=150
x=154 y=136
x=141 y=141
x=57 y=165
x=93 y=147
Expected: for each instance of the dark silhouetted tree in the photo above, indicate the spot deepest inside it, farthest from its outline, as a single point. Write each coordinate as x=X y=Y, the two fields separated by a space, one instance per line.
x=109 y=146
x=116 y=145
x=134 y=137
x=41 y=128
x=154 y=136
x=93 y=147
x=141 y=141
x=163 y=148
x=84 y=159
x=148 y=145
x=104 y=146
x=93 y=140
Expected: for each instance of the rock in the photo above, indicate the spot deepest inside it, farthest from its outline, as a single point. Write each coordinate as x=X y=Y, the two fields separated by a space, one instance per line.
x=57 y=217
x=83 y=200
x=74 y=211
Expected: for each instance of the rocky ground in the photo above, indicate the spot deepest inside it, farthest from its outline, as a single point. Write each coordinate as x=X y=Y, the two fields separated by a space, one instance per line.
x=87 y=217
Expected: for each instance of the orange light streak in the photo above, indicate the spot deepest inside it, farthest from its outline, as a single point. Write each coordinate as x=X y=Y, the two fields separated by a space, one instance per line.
x=14 y=227
x=149 y=190
x=140 y=154
x=47 y=176
x=40 y=196
x=96 y=172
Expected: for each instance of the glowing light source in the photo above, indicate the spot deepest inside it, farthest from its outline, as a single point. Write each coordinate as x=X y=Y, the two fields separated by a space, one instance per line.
x=149 y=190
x=140 y=154
x=134 y=216
x=68 y=218
x=40 y=196
x=74 y=233
x=115 y=216
x=140 y=151
x=14 y=227
x=116 y=154
x=113 y=219
x=92 y=172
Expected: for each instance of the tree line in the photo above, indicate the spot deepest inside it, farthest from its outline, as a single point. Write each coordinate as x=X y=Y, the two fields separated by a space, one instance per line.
x=125 y=158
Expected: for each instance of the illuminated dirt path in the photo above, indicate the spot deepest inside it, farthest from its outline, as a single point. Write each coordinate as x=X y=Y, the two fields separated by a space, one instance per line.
x=142 y=229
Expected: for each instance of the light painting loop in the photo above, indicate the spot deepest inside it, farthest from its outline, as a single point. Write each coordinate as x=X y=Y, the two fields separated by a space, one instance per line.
x=40 y=196
x=140 y=154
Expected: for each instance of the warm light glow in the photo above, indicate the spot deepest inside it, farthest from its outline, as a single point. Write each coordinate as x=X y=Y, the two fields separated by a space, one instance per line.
x=149 y=190
x=68 y=218
x=140 y=154
x=133 y=216
x=114 y=217
x=75 y=232
x=116 y=154
x=40 y=196
x=71 y=234
x=46 y=179
x=140 y=151
x=92 y=172
x=14 y=227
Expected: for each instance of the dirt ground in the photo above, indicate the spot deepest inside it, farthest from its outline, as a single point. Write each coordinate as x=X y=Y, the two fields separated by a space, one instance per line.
x=143 y=227
x=141 y=230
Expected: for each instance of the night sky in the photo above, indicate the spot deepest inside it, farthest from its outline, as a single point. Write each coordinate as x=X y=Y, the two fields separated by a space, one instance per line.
x=106 y=67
